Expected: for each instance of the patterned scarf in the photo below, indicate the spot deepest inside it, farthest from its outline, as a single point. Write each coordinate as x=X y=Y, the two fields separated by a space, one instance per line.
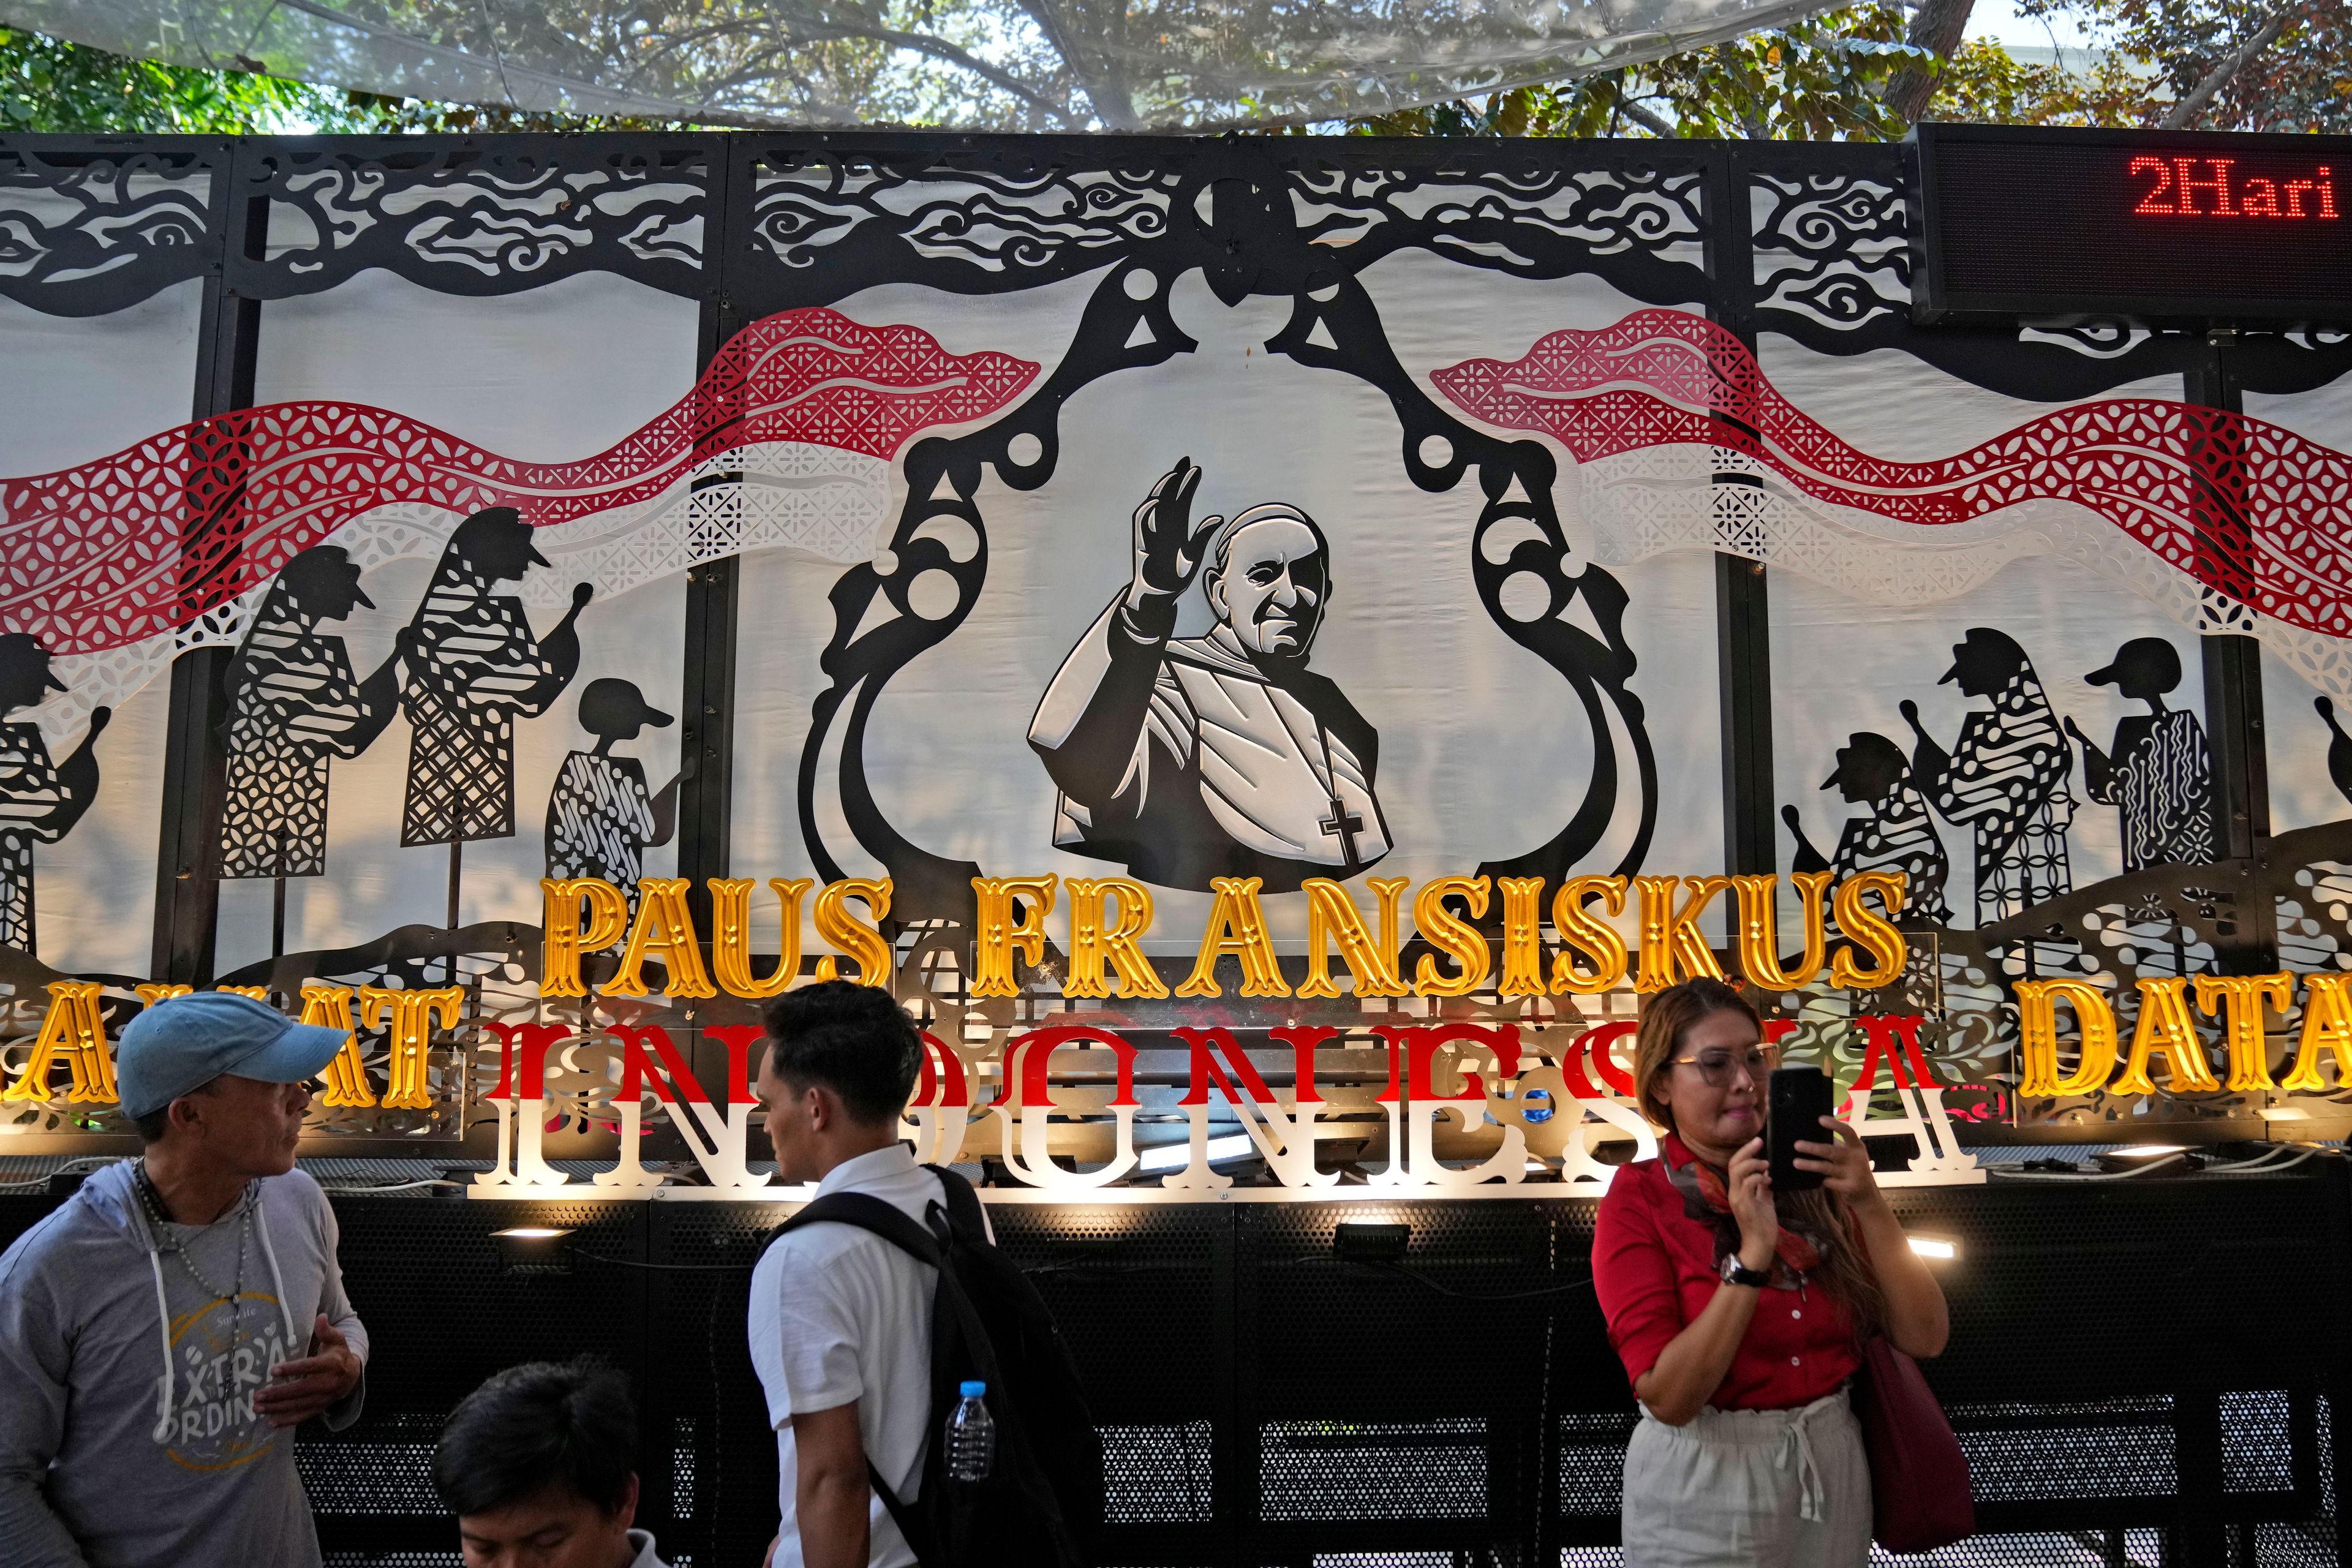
x=1707 y=1199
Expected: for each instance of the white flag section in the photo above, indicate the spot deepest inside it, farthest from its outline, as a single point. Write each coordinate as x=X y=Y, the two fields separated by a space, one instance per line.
x=993 y=65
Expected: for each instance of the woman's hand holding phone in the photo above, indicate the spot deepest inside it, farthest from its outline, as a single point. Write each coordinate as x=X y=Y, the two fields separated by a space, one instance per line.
x=1843 y=1164
x=1750 y=1181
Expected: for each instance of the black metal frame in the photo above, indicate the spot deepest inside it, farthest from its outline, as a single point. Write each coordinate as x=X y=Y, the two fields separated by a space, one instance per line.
x=1780 y=225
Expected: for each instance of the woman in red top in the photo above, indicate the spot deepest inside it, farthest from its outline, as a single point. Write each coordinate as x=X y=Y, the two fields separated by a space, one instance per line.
x=1738 y=1319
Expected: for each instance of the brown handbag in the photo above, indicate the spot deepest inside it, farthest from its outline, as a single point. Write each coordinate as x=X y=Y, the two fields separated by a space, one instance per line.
x=1919 y=1496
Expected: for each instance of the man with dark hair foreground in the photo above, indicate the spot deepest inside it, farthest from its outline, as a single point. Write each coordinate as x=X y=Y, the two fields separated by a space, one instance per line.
x=540 y=1466
x=164 y=1330
x=841 y=1320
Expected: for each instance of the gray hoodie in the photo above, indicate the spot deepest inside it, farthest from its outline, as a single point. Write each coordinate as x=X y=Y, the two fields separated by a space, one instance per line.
x=128 y=1437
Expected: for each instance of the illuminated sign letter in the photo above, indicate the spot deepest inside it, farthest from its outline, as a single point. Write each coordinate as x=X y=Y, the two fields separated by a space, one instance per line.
x=1107 y=915
x=1449 y=934
x=1236 y=925
x=1673 y=946
x=2165 y=1026
x=1872 y=933
x=329 y=1008
x=73 y=1029
x=2037 y=1023
x=1523 y=973
x=2240 y=1000
x=1001 y=934
x=1580 y=933
x=1332 y=918
x=730 y=937
x=850 y=937
x=410 y=1014
x=1759 y=930
x=2326 y=1025
x=567 y=938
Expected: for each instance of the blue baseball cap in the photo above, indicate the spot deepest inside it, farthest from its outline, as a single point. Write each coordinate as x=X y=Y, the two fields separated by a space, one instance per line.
x=177 y=1047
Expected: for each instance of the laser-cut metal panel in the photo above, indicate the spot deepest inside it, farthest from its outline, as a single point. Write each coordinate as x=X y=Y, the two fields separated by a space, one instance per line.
x=461 y=216
x=91 y=226
x=834 y=215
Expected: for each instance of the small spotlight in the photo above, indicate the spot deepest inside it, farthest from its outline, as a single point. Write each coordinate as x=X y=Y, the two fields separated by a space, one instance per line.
x=533 y=1248
x=1929 y=1247
x=2143 y=1156
x=1358 y=1241
x=1176 y=1156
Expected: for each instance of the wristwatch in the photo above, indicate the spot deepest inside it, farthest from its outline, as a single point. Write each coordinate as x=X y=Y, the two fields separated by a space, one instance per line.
x=1737 y=1273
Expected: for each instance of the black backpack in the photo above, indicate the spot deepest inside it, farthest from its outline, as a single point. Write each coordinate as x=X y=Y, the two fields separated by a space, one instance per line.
x=1041 y=1504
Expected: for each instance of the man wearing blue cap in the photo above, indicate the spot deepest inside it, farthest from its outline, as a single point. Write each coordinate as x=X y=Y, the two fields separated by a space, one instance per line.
x=162 y=1333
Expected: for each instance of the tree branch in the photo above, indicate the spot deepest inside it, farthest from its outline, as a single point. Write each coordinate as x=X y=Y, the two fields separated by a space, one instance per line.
x=1655 y=125
x=2184 y=113
x=1937 y=26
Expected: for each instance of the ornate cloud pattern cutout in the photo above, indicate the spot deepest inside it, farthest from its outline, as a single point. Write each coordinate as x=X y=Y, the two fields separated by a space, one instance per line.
x=2241 y=514
x=156 y=538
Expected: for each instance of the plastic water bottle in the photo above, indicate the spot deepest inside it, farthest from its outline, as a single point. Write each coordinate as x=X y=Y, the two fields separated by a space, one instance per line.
x=972 y=1435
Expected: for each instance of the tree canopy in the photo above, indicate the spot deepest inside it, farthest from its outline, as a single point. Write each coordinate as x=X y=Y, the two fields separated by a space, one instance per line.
x=1846 y=74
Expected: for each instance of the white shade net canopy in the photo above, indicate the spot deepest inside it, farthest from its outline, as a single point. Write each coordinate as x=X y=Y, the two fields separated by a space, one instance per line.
x=980 y=65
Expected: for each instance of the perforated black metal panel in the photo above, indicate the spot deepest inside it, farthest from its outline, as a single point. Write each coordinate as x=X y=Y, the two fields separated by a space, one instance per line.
x=702 y=1393
x=2141 y=1372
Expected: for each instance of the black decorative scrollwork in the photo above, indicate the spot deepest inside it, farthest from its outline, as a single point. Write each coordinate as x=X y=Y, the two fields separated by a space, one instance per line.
x=986 y=215
x=1640 y=226
x=88 y=233
x=1237 y=223
x=476 y=218
x=1832 y=247
x=989 y=223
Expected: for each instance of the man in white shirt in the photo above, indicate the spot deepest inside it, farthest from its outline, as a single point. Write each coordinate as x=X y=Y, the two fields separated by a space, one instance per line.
x=840 y=1318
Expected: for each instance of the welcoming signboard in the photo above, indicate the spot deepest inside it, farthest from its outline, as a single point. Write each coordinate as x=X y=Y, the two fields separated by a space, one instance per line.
x=1269 y=649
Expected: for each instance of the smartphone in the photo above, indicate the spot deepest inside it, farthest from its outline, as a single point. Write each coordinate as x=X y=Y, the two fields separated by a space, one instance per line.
x=1795 y=1100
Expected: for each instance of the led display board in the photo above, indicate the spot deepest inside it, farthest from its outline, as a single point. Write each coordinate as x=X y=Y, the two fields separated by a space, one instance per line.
x=2161 y=225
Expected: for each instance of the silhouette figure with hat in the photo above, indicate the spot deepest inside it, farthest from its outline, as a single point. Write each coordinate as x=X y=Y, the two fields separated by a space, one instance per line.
x=2006 y=777
x=1895 y=833
x=2339 y=748
x=601 y=818
x=40 y=801
x=2158 y=775
x=474 y=668
x=294 y=706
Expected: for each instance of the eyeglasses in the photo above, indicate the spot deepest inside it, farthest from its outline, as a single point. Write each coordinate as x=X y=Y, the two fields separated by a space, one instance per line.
x=1715 y=1067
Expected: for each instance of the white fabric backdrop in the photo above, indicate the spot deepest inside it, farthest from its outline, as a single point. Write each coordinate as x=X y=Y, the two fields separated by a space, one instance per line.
x=76 y=388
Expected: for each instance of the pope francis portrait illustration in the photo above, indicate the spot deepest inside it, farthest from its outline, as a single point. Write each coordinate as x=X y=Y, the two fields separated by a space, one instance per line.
x=1220 y=755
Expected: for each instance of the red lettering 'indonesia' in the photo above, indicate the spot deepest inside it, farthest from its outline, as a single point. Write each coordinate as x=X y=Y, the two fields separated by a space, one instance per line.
x=2210 y=188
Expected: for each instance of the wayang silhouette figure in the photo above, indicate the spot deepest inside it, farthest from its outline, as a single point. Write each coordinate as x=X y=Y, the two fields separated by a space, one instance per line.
x=475 y=667
x=2339 y=748
x=1189 y=758
x=1893 y=833
x=2005 y=777
x=601 y=818
x=40 y=801
x=2158 y=772
x=294 y=706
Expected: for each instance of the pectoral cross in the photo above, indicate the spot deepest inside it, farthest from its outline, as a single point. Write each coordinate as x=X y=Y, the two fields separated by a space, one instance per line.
x=1345 y=823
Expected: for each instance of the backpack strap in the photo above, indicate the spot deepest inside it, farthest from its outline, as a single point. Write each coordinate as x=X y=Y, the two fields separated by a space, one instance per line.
x=964 y=1212
x=914 y=1530
x=870 y=1214
x=890 y=1223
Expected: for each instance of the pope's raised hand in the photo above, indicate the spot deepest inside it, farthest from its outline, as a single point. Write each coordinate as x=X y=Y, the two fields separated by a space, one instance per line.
x=1168 y=545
